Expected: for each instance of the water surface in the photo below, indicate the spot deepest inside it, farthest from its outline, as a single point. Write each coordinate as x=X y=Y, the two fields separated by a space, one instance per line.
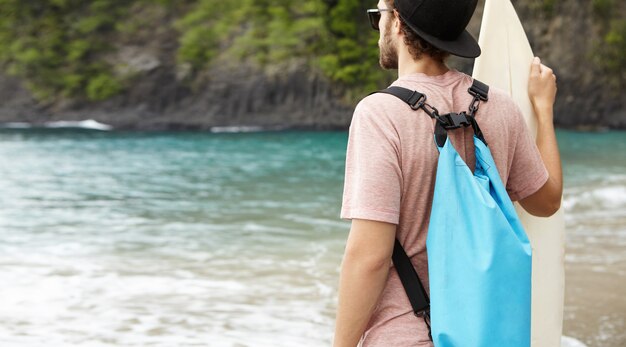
x=200 y=239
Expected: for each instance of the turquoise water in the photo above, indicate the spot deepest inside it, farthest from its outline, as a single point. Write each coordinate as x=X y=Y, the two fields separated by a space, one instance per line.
x=181 y=239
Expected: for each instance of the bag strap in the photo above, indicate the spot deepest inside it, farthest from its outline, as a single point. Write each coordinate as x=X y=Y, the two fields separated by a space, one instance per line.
x=420 y=302
x=412 y=285
x=449 y=121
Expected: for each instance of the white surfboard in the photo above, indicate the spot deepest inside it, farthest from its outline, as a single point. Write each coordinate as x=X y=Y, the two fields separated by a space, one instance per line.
x=505 y=64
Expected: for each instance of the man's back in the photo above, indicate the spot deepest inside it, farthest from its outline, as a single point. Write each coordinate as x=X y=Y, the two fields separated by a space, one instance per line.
x=390 y=175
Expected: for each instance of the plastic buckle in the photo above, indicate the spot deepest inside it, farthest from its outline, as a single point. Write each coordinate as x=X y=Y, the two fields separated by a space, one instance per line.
x=478 y=94
x=479 y=90
x=419 y=102
x=452 y=121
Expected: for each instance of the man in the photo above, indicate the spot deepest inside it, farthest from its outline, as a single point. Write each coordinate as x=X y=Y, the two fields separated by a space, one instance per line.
x=391 y=163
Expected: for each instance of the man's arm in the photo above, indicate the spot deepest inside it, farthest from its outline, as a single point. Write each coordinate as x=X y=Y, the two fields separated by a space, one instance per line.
x=364 y=272
x=542 y=92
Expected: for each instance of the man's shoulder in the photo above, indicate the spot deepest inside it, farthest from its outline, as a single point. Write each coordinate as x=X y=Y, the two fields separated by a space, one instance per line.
x=382 y=102
x=382 y=105
x=378 y=100
x=500 y=97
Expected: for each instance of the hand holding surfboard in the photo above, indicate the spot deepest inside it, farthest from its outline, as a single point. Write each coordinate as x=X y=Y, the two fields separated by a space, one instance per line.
x=542 y=88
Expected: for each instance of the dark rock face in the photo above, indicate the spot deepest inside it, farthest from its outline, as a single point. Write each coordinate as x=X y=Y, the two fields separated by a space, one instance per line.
x=295 y=99
x=161 y=96
x=291 y=99
x=17 y=103
x=566 y=40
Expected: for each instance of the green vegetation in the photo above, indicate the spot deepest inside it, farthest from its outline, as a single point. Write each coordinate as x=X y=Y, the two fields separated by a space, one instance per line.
x=67 y=48
x=266 y=32
x=352 y=56
x=609 y=53
x=54 y=45
x=548 y=6
x=603 y=8
x=332 y=37
x=545 y=6
x=60 y=47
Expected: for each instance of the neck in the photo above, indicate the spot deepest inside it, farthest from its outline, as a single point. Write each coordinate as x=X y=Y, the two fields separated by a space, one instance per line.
x=426 y=65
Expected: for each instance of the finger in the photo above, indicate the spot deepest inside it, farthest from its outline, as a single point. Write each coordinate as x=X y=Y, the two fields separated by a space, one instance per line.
x=545 y=70
x=535 y=67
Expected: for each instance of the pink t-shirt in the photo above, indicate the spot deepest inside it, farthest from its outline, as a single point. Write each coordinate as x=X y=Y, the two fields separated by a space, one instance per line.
x=391 y=163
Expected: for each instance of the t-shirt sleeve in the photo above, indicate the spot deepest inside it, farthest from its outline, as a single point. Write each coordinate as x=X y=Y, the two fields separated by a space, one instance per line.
x=527 y=173
x=373 y=179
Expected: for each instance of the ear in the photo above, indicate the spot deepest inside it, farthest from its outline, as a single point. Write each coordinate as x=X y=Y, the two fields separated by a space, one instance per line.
x=396 y=22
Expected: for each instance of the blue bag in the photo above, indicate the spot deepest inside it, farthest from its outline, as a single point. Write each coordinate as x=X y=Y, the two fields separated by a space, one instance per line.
x=479 y=257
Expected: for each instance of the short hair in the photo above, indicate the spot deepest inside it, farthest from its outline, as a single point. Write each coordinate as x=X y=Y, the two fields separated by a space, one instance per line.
x=417 y=45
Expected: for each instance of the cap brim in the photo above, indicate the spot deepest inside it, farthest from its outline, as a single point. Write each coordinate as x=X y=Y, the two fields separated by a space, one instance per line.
x=464 y=46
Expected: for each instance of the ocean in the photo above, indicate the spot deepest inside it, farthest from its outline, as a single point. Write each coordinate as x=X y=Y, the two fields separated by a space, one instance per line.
x=234 y=239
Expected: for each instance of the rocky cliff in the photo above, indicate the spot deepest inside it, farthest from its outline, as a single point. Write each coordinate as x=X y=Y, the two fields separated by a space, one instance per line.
x=164 y=94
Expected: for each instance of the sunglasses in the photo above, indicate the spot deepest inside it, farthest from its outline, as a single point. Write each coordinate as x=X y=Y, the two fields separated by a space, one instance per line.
x=374 y=15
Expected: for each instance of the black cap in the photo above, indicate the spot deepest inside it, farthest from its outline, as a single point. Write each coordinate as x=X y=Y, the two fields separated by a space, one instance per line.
x=441 y=23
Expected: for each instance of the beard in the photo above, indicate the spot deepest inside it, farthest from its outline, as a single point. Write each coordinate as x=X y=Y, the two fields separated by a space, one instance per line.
x=388 y=58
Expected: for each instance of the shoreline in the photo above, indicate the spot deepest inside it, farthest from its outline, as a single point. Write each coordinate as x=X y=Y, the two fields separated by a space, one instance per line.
x=91 y=124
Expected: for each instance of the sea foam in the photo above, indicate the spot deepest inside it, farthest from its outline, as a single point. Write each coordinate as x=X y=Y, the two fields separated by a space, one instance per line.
x=571 y=342
x=89 y=124
x=84 y=124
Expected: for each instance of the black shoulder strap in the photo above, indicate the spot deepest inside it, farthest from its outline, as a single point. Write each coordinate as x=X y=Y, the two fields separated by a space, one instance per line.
x=479 y=89
x=411 y=97
x=449 y=121
x=412 y=285
x=416 y=99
